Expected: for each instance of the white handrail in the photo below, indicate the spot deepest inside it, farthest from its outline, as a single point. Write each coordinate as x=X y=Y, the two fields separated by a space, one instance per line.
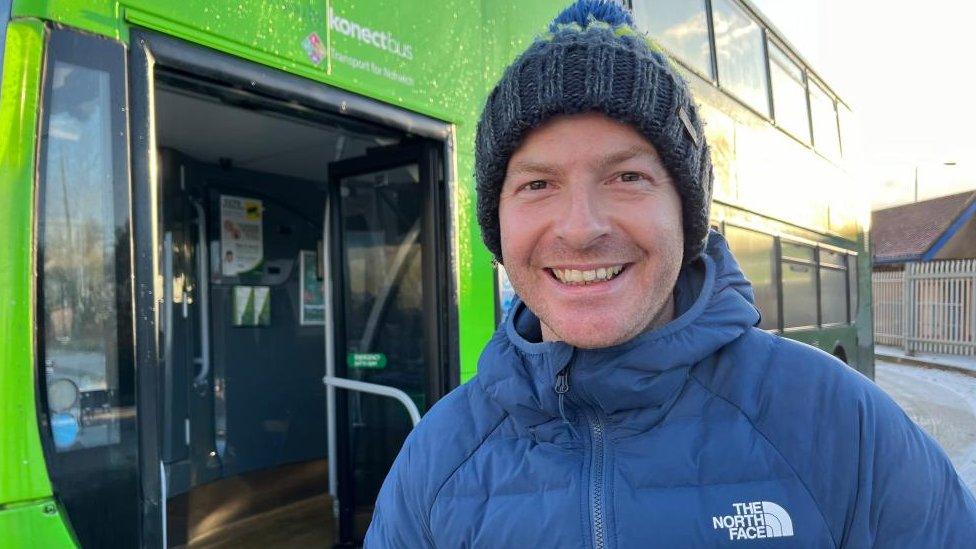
x=376 y=389
x=203 y=294
x=168 y=302
x=329 y=328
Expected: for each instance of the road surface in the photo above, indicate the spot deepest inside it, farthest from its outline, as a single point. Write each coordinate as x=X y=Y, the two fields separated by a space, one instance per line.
x=942 y=403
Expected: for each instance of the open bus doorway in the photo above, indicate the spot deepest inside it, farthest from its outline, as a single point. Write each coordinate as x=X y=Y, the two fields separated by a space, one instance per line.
x=287 y=236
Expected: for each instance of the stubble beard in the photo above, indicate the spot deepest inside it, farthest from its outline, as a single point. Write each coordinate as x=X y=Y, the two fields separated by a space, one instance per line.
x=657 y=310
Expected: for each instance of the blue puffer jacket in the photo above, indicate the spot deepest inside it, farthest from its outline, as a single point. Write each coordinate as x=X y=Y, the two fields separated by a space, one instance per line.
x=705 y=432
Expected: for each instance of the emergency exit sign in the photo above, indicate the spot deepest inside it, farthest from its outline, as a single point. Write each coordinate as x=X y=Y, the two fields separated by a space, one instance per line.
x=366 y=361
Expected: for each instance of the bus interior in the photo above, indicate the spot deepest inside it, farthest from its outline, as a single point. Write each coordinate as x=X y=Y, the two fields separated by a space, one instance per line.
x=244 y=194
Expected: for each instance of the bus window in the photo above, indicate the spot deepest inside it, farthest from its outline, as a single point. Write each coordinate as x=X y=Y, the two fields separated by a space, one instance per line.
x=504 y=294
x=833 y=287
x=825 y=136
x=798 y=252
x=850 y=141
x=789 y=94
x=78 y=245
x=681 y=26
x=741 y=62
x=84 y=325
x=829 y=257
x=756 y=253
x=799 y=281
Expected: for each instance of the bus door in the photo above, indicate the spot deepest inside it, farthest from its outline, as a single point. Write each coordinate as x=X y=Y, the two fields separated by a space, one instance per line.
x=387 y=363
x=301 y=333
x=302 y=303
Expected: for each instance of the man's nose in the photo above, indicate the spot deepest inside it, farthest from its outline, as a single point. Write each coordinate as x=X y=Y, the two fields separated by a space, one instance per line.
x=583 y=220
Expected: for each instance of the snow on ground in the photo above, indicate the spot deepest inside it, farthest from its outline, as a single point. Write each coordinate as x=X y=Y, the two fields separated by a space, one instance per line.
x=943 y=403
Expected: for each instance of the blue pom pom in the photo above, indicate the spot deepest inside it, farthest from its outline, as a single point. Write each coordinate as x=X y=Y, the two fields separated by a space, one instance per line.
x=584 y=11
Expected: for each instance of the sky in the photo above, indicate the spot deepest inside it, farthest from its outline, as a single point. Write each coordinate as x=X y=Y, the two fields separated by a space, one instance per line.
x=905 y=70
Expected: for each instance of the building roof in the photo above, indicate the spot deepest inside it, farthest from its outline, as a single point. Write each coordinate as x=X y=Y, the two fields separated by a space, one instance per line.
x=911 y=232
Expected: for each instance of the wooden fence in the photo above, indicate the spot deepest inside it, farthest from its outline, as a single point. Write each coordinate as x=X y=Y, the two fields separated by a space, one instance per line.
x=928 y=307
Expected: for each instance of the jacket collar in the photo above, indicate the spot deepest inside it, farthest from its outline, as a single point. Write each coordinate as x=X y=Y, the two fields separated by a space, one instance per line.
x=634 y=383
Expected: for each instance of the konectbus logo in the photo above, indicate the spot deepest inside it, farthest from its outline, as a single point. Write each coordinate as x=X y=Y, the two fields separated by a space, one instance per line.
x=755 y=520
x=371 y=37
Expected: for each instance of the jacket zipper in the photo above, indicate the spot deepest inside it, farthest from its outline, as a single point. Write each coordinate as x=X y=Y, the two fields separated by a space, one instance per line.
x=596 y=479
x=597 y=443
x=561 y=388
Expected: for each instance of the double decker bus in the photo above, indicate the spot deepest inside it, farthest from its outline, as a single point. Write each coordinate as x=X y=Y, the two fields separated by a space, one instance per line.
x=784 y=156
x=241 y=255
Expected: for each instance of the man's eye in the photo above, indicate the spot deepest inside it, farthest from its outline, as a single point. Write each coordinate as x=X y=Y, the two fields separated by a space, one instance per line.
x=629 y=177
x=535 y=185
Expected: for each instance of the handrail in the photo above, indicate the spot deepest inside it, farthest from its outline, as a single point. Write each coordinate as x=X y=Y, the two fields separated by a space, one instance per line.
x=329 y=329
x=376 y=389
x=203 y=295
x=168 y=302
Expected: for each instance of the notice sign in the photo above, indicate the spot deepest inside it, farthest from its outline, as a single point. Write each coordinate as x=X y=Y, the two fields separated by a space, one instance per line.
x=366 y=361
x=252 y=306
x=313 y=290
x=241 y=235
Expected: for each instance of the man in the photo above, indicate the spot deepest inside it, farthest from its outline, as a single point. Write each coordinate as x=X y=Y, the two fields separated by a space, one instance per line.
x=629 y=400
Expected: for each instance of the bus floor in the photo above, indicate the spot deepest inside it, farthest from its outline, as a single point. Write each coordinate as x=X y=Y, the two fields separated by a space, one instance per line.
x=287 y=506
x=306 y=523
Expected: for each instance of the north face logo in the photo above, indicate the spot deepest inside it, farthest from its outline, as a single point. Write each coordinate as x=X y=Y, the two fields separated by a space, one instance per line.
x=755 y=520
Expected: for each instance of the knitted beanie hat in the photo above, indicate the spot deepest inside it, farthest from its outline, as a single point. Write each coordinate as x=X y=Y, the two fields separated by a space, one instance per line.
x=592 y=59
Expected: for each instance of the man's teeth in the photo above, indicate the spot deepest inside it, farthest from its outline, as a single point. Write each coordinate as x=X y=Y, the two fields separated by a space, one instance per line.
x=574 y=276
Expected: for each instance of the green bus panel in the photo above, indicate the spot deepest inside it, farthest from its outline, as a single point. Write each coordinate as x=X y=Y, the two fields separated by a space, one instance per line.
x=34 y=525
x=22 y=473
x=28 y=517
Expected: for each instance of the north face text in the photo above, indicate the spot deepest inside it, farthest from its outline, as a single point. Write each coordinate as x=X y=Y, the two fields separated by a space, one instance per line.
x=755 y=520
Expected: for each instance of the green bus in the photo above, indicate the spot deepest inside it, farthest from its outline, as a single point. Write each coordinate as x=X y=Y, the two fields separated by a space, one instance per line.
x=241 y=257
x=784 y=156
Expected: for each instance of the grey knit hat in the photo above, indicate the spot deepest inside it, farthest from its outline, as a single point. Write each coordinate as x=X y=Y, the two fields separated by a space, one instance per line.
x=592 y=59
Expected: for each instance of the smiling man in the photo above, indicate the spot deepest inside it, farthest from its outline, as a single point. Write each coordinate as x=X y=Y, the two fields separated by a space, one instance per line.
x=628 y=400
x=591 y=230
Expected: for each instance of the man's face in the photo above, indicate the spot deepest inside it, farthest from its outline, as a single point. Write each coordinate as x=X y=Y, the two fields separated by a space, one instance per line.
x=591 y=230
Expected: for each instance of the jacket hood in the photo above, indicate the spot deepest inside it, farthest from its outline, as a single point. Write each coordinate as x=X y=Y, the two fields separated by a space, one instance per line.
x=632 y=383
